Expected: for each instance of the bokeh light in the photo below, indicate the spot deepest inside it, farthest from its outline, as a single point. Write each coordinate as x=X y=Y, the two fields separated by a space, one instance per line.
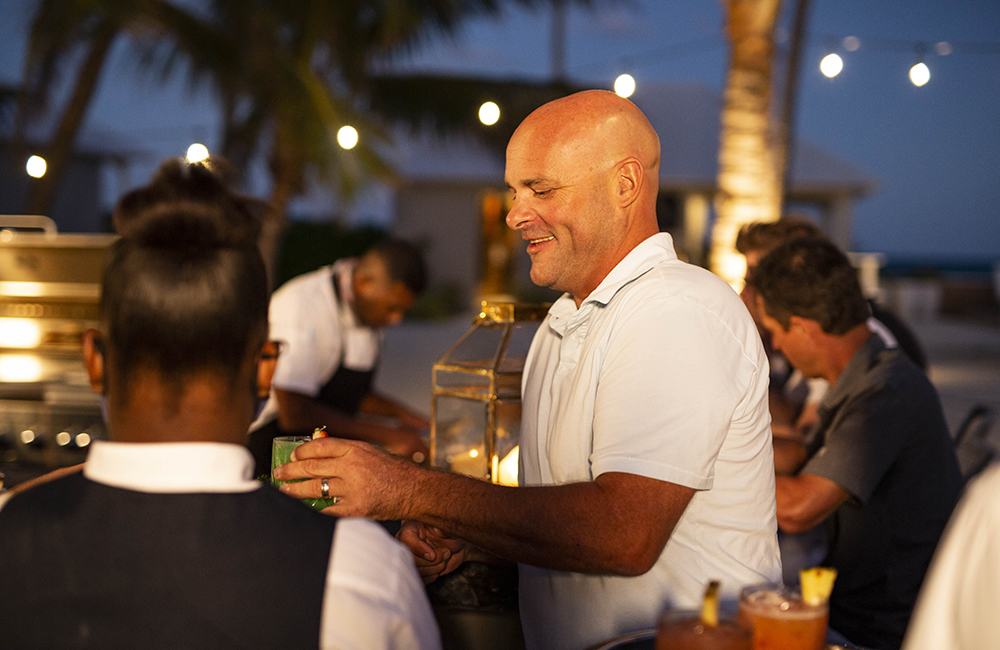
x=36 y=166
x=347 y=137
x=489 y=113
x=196 y=153
x=624 y=85
x=831 y=65
x=920 y=74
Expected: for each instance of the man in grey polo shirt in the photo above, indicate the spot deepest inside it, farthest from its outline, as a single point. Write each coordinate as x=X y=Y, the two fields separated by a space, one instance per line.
x=879 y=467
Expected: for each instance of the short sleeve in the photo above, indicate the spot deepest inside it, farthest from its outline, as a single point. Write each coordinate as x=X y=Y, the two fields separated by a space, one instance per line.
x=374 y=597
x=304 y=363
x=673 y=378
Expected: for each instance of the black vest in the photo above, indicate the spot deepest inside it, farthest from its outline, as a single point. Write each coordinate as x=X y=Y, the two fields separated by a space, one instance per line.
x=84 y=565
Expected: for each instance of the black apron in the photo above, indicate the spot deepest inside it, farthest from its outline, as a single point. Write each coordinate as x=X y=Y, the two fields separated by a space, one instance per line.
x=345 y=391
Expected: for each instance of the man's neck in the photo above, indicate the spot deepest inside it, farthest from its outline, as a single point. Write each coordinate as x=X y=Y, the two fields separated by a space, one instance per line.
x=842 y=348
x=205 y=411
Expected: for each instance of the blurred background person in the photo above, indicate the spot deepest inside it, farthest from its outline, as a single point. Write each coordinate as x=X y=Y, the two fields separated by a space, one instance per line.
x=164 y=540
x=879 y=468
x=794 y=398
x=329 y=324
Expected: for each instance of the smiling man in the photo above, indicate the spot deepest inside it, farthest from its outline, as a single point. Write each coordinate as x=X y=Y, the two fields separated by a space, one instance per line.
x=646 y=462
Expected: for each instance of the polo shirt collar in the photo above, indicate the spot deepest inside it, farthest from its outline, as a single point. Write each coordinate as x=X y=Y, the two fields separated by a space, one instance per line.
x=171 y=467
x=650 y=252
x=854 y=372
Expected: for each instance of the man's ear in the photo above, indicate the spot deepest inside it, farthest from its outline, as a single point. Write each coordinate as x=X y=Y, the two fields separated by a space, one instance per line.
x=93 y=359
x=808 y=326
x=629 y=182
x=265 y=368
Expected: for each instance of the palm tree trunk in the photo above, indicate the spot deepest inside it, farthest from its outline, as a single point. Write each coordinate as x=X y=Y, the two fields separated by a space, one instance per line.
x=60 y=147
x=749 y=181
x=286 y=174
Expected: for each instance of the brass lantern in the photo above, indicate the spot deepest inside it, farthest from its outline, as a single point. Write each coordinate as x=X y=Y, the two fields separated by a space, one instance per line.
x=476 y=399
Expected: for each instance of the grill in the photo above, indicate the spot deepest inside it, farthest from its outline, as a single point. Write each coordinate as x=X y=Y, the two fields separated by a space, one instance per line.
x=49 y=293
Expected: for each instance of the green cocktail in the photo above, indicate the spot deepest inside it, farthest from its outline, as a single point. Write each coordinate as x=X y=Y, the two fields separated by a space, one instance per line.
x=281 y=453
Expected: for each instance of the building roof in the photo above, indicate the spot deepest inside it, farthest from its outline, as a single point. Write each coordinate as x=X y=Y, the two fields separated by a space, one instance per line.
x=686 y=117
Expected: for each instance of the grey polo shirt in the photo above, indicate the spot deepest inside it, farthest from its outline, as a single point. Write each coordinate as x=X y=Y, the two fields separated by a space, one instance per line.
x=883 y=438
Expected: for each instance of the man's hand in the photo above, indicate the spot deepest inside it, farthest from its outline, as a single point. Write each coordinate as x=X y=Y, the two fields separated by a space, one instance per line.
x=434 y=553
x=367 y=481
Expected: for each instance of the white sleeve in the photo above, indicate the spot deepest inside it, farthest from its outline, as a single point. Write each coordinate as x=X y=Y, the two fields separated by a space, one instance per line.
x=374 y=597
x=305 y=362
x=958 y=602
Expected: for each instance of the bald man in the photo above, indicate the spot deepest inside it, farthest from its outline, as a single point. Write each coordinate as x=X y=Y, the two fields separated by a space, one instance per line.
x=646 y=463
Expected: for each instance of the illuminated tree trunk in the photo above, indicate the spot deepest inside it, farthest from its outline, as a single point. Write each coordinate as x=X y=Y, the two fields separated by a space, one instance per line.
x=750 y=156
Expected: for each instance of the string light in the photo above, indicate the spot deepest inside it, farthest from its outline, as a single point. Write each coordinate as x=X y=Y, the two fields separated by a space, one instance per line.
x=347 y=137
x=489 y=113
x=624 y=85
x=831 y=65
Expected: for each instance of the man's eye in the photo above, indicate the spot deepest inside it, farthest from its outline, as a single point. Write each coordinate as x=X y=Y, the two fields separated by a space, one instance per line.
x=541 y=192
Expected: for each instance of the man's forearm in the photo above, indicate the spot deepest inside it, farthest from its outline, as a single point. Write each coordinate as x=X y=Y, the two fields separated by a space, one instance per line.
x=605 y=527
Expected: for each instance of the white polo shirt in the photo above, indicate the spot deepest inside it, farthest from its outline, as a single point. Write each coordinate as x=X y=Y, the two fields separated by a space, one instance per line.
x=659 y=373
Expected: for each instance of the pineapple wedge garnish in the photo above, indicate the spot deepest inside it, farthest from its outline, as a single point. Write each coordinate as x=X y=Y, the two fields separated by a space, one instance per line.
x=817 y=584
x=710 y=605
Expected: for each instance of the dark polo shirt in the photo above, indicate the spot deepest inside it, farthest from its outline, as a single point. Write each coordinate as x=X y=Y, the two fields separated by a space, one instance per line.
x=883 y=438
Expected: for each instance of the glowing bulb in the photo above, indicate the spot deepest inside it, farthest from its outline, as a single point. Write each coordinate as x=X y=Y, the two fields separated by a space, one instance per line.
x=36 y=167
x=196 y=153
x=63 y=438
x=920 y=74
x=473 y=453
x=27 y=436
x=489 y=113
x=624 y=85
x=347 y=137
x=831 y=65
x=82 y=439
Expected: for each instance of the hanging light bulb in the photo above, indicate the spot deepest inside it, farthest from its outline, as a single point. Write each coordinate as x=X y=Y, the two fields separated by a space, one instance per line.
x=624 y=85
x=831 y=65
x=489 y=113
x=920 y=74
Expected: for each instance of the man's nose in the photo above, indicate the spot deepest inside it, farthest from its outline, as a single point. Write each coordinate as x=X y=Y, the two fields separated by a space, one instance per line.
x=517 y=217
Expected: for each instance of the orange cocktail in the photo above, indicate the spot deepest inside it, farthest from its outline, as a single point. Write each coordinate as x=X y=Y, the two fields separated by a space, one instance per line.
x=684 y=630
x=781 y=621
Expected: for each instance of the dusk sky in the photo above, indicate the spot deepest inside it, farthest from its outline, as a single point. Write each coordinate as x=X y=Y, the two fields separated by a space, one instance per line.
x=934 y=151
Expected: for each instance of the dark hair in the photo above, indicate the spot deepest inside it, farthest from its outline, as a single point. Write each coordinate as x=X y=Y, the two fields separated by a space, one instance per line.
x=178 y=183
x=403 y=261
x=811 y=278
x=765 y=236
x=185 y=287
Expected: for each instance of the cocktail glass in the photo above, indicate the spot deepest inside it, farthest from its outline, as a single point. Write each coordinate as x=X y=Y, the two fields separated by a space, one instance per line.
x=680 y=629
x=780 y=620
x=281 y=453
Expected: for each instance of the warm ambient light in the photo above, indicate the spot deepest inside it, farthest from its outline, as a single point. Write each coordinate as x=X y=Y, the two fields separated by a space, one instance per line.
x=624 y=85
x=347 y=137
x=920 y=74
x=831 y=65
x=16 y=368
x=196 y=153
x=36 y=167
x=508 y=468
x=489 y=113
x=19 y=333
